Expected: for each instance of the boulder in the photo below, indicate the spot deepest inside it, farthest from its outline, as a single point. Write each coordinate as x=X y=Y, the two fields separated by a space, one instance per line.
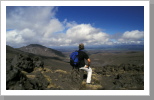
x=27 y=63
x=17 y=71
x=77 y=77
x=38 y=63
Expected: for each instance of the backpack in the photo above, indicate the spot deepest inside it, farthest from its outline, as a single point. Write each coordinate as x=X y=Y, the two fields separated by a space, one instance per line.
x=74 y=61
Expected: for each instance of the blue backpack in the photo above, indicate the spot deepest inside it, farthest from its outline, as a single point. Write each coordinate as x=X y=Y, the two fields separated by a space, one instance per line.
x=74 y=61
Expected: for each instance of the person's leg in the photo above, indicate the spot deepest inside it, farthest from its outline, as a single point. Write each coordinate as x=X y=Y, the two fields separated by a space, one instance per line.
x=89 y=73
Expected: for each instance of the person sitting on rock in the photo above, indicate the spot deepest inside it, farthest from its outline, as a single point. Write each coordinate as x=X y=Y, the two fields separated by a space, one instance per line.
x=82 y=66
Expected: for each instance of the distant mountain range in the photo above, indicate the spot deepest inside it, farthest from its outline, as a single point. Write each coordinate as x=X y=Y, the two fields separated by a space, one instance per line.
x=101 y=47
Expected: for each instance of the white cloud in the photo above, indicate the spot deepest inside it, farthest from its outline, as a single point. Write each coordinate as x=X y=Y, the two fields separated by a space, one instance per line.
x=69 y=24
x=132 y=37
x=39 y=25
x=13 y=37
x=87 y=34
x=29 y=17
x=135 y=34
x=53 y=26
x=31 y=25
x=30 y=34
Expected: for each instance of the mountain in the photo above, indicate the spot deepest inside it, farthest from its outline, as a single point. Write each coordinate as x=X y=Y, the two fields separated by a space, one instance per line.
x=50 y=57
x=41 y=50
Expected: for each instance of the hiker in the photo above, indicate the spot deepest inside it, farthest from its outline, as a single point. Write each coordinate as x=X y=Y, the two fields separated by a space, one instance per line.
x=81 y=62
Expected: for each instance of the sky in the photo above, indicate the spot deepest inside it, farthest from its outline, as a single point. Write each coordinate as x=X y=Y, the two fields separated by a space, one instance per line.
x=71 y=25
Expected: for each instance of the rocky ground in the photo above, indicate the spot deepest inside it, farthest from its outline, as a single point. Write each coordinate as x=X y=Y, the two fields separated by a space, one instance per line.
x=25 y=72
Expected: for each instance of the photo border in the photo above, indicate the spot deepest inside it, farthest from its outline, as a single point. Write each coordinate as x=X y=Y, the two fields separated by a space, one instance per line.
x=75 y=92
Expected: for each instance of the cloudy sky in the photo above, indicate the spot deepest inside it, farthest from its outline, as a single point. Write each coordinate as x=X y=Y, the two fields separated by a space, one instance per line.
x=71 y=25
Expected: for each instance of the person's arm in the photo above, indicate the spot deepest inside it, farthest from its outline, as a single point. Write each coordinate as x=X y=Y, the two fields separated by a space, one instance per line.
x=88 y=60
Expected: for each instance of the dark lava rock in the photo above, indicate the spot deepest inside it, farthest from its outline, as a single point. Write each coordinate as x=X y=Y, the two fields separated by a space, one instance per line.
x=77 y=77
x=122 y=77
x=38 y=63
x=16 y=78
x=67 y=80
x=23 y=62
x=26 y=63
x=39 y=82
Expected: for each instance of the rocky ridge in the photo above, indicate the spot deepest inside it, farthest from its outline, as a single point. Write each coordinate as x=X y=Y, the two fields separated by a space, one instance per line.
x=41 y=50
